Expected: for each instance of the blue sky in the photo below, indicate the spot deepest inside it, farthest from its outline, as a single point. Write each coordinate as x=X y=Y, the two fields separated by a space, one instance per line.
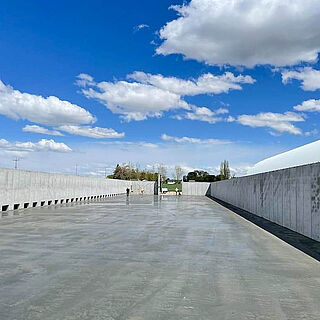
x=137 y=81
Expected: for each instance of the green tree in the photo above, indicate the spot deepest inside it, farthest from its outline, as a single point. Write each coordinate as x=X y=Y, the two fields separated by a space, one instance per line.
x=128 y=172
x=224 y=170
x=201 y=176
x=122 y=172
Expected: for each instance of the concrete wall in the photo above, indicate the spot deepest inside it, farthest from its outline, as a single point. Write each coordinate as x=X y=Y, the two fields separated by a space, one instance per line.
x=19 y=189
x=195 y=188
x=288 y=197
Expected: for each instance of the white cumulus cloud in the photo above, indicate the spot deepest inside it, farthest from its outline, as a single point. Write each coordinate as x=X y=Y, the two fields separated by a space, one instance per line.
x=42 y=130
x=244 y=32
x=133 y=145
x=140 y=27
x=205 y=84
x=311 y=105
x=309 y=77
x=92 y=132
x=42 y=145
x=313 y=132
x=166 y=137
x=203 y=114
x=280 y=122
x=151 y=95
x=84 y=80
x=48 y=111
x=134 y=101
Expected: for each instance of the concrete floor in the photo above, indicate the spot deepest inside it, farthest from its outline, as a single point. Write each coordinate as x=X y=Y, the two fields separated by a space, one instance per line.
x=172 y=258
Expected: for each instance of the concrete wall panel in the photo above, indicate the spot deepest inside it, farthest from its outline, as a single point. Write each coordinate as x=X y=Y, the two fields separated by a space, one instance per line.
x=300 y=189
x=195 y=188
x=288 y=197
x=21 y=189
x=315 y=207
x=307 y=201
x=293 y=198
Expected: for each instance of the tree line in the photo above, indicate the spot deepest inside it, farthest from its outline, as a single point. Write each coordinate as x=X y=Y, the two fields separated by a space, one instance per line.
x=130 y=172
x=204 y=176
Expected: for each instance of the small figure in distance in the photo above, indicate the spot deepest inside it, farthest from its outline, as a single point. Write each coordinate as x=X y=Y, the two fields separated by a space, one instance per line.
x=128 y=192
x=177 y=190
x=142 y=191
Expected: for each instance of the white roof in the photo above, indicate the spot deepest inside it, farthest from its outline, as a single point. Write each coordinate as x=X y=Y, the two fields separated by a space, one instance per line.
x=309 y=153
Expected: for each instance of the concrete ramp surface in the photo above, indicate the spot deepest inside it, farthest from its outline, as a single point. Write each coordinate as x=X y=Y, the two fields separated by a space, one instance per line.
x=150 y=258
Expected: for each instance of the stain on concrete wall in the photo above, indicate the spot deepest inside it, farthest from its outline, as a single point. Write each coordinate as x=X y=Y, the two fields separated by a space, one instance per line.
x=288 y=197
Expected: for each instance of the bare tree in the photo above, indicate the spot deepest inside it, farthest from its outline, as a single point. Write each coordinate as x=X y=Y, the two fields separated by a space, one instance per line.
x=162 y=170
x=179 y=173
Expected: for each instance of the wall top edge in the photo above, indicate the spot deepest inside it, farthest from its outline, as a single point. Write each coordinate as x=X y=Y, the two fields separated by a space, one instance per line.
x=314 y=164
x=66 y=175
x=49 y=173
x=195 y=182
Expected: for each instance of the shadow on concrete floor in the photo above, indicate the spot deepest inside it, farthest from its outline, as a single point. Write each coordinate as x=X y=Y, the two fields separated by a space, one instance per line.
x=308 y=246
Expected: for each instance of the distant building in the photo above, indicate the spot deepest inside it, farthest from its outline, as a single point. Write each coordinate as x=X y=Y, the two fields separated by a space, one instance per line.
x=309 y=153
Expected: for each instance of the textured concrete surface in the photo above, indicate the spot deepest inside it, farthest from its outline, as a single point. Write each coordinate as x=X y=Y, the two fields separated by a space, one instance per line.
x=309 y=246
x=288 y=197
x=21 y=188
x=149 y=258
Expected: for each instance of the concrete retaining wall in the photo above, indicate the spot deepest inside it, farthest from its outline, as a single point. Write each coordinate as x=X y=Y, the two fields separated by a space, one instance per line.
x=196 y=188
x=288 y=197
x=25 y=189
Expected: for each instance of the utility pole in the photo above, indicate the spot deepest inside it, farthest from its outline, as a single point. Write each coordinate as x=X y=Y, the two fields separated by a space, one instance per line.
x=159 y=184
x=16 y=160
